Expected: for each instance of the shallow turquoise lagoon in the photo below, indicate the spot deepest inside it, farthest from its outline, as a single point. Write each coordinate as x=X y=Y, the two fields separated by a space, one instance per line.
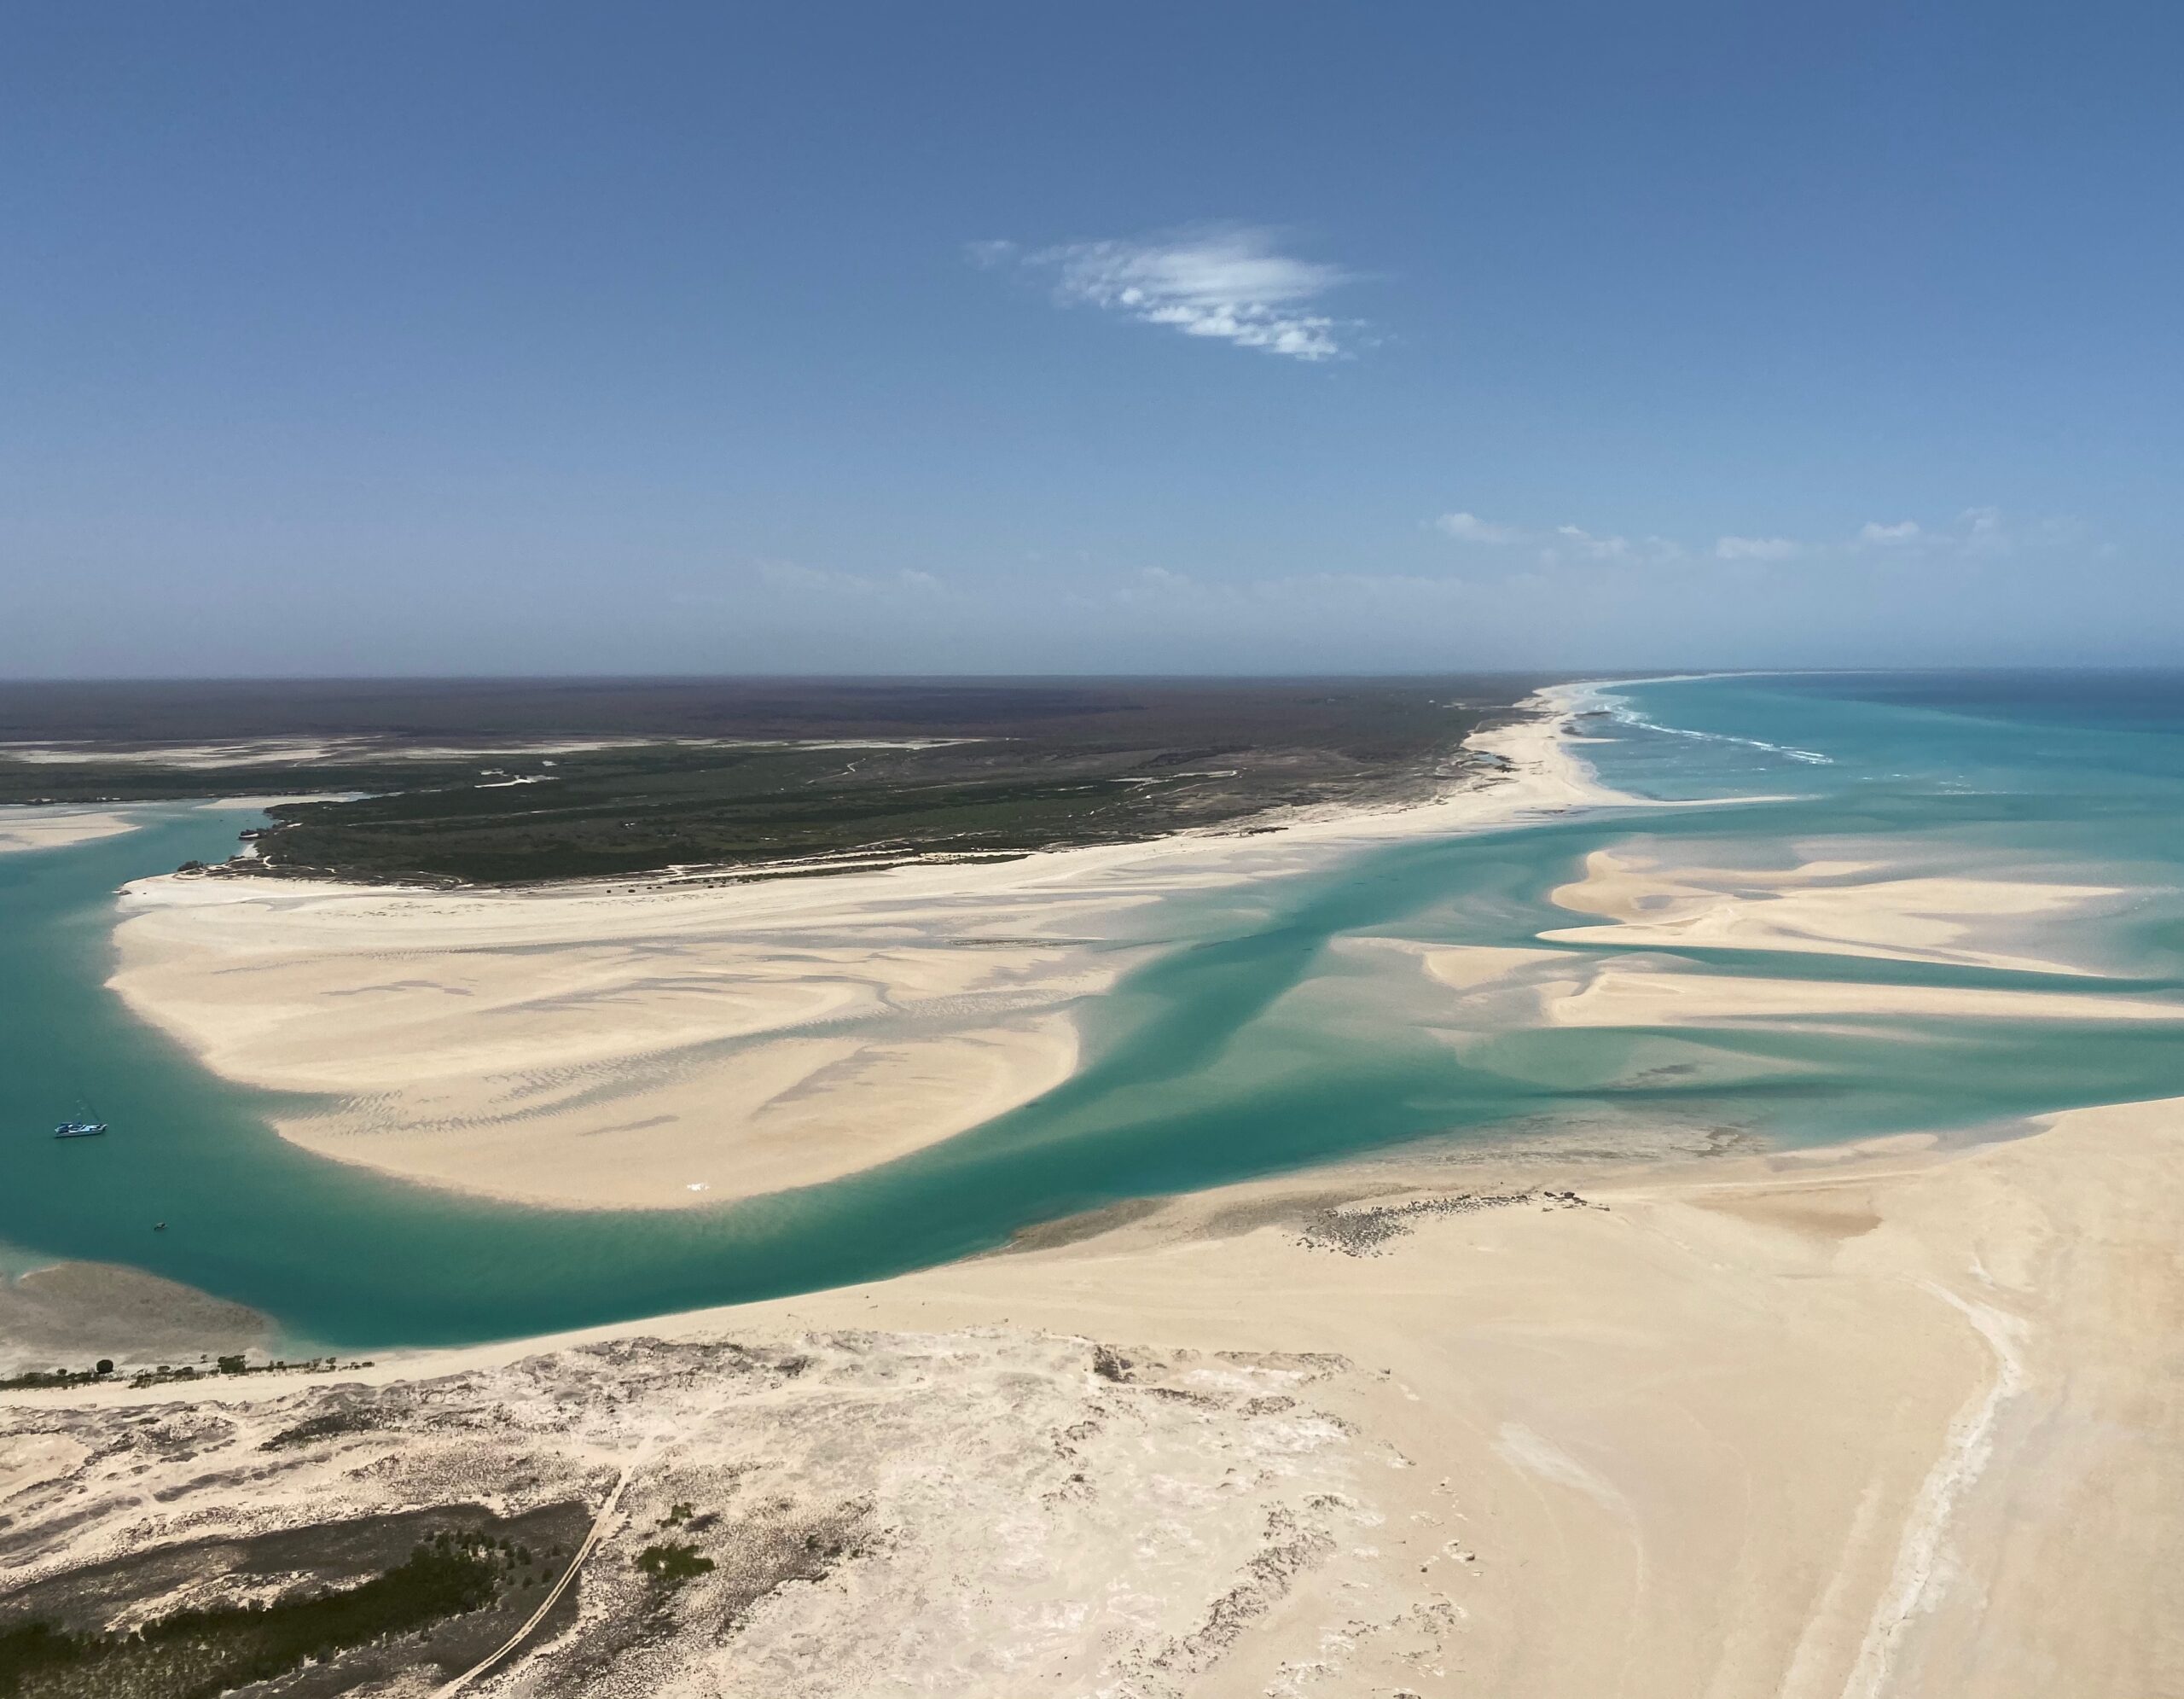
x=1270 y=1032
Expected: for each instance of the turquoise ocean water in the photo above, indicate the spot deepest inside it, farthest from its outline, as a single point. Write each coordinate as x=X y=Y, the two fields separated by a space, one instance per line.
x=1269 y=1033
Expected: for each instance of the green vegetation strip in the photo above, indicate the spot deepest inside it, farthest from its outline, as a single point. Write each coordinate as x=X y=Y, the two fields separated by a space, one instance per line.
x=672 y=1563
x=198 y=1654
x=521 y=783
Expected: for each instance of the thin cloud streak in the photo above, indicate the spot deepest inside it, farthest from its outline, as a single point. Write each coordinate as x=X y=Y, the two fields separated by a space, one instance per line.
x=1226 y=282
x=1980 y=533
x=1454 y=605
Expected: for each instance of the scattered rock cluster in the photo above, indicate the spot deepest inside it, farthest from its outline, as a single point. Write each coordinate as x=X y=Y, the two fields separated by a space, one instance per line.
x=1360 y=1232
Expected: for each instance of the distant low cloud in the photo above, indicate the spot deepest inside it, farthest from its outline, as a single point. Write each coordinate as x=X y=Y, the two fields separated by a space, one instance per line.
x=1488 y=590
x=1576 y=541
x=1979 y=533
x=1469 y=528
x=1560 y=542
x=1987 y=530
x=1757 y=549
x=1873 y=535
x=1976 y=533
x=795 y=579
x=1229 y=283
x=1984 y=533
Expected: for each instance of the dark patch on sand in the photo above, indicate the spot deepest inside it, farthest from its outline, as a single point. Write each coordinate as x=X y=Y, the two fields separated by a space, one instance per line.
x=301 y=1563
x=74 y=1313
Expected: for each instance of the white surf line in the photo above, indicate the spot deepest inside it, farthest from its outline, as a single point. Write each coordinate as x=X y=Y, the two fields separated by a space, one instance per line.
x=598 y=1526
x=1920 y=1576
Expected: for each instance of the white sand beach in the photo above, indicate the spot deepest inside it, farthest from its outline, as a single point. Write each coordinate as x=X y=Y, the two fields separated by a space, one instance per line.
x=1861 y=1422
x=591 y=1047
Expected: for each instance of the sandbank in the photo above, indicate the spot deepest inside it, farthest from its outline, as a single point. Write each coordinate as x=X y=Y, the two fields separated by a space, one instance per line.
x=310 y=751
x=1627 y=993
x=690 y=1043
x=41 y=826
x=68 y=1315
x=1834 y=906
x=596 y=1046
x=1870 y=906
x=222 y=803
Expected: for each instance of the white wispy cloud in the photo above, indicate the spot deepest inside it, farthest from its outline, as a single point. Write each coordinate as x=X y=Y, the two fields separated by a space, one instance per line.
x=1560 y=542
x=1230 y=282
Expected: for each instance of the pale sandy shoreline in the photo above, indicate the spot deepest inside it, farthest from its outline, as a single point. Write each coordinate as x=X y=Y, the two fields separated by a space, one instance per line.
x=44 y=826
x=1882 y=1420
x=589 y=1046
x=1876 y=1420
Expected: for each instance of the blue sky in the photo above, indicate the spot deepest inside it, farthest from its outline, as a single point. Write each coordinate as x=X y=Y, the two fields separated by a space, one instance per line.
x=536 y=338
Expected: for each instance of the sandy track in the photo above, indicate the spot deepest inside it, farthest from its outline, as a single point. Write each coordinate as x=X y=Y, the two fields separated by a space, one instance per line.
x=562 y=1583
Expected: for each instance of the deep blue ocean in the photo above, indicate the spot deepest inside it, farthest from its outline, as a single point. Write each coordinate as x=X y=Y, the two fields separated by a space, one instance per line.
x=1273 y=1030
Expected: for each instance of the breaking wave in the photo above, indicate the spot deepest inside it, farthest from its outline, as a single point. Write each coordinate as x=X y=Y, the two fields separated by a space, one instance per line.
x=1619 y=709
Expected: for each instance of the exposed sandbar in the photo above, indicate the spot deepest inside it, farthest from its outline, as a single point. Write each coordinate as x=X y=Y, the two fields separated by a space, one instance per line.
x=590 y=1045
x=1833 y=906
x=39 y=826
x=70 y=1314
